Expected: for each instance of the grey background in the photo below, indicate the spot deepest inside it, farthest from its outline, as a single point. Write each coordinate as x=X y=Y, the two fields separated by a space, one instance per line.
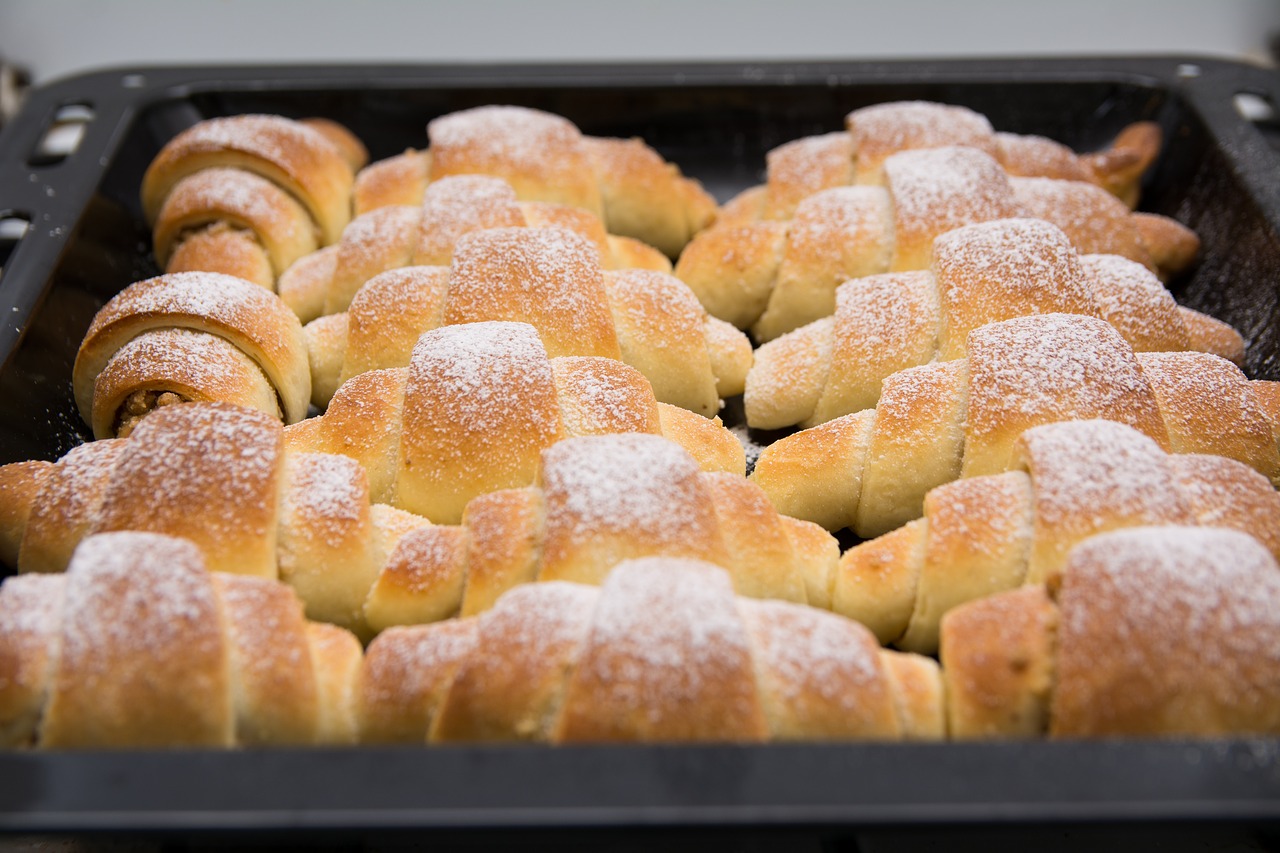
x=54 y=38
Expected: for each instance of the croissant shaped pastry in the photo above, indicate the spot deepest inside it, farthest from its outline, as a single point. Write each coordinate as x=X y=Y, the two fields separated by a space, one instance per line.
x=1070 y=481
x=623 y=182
x=550 y=278
x=1153 y=631
x=980 y=274
x=776 y=275
x=248 y=195
x=221 y=477
x=803 y=167
x=477 y=405
x=190 y=337
x=139 y=645
x=599 y=500
x=426 y=234
x=662 y=652
x=941 y=421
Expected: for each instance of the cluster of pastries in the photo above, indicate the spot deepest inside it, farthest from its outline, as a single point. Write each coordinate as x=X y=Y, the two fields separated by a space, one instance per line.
x=429 y=449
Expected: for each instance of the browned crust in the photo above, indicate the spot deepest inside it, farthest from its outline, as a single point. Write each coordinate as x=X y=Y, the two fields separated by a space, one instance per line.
x=998 y=662
x=675 y=632
x=404 y=677
x=509 y=687
x=222 y=248
x=241 y=200
x=398 y=180
x=295 y=157
x=276 y=696
x=547 y=277
x=20 y=484
x=211 y=475
x=256 y=321
x=132 y=600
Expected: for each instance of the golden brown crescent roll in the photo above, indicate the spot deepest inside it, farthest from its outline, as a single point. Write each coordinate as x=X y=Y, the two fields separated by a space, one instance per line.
x=190 y=337
x=980 y=274
x=549 y=278
x=248 y=195
x=938 y=422
x=778 y=274
x=803 y=167
x=425 y=234
x=477 y=405
x=598 y=500
x=221 y=477
x=1073 y=480
x=138 y=645
x=663 y=651
x=623 y=183
x=1148 y=632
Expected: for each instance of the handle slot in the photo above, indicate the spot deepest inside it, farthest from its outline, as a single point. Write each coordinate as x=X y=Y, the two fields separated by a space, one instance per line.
x=63 y=136
x=13 y=227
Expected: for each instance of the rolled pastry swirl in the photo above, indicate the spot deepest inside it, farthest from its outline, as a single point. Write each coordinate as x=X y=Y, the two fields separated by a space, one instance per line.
x=248 y=195
x=139 y=645
x=1071 y=480
x=980 y=274
x=798 y=169
x=773 y=276
x=550 y=278
x=936 y=423
x=663 y=652
x=1147 y=632
x=190 y=337
x=623 y=182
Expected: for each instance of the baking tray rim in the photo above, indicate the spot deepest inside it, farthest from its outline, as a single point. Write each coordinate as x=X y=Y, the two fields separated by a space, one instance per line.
x=1113 y=779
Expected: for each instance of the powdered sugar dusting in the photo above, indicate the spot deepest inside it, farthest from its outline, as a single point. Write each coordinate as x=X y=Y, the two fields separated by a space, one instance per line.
x=1134 y=301
x=406 y=670
x=213 y=296
x=1101 y=471
x=1059 y=366
x=802 y=167
x=459 y=204
x=1008 y=267
x=808 y=652
x=476 y=370
x=788 y=375
x=258 y=201
x=603 y=396
x=133 y=596
x=71 y=498
x=884 y=316
x=538 y=621
x=548 y=277
x=1209 y=407
x=672 y=633
x=882 y=130
x=1208 y=597
x=266 y=619
x=518 y=137
x=1094 y=219
x=916 y=124
x=1037 y=156
x=328 y=493
x=31 y=609
x=215 y=457
x=271 y=137
x=623 y=483
x=939 y=189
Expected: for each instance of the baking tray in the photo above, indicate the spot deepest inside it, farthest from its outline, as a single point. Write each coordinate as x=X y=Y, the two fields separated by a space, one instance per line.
x=1219 y=173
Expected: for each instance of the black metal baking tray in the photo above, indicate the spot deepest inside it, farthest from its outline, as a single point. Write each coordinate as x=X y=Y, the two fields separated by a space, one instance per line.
x=1219 y=173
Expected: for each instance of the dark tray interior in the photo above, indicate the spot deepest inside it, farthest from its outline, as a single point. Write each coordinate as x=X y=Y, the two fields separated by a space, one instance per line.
x=1218 y=173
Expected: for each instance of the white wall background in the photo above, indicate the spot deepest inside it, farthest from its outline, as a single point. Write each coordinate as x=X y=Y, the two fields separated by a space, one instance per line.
x=53 y=38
